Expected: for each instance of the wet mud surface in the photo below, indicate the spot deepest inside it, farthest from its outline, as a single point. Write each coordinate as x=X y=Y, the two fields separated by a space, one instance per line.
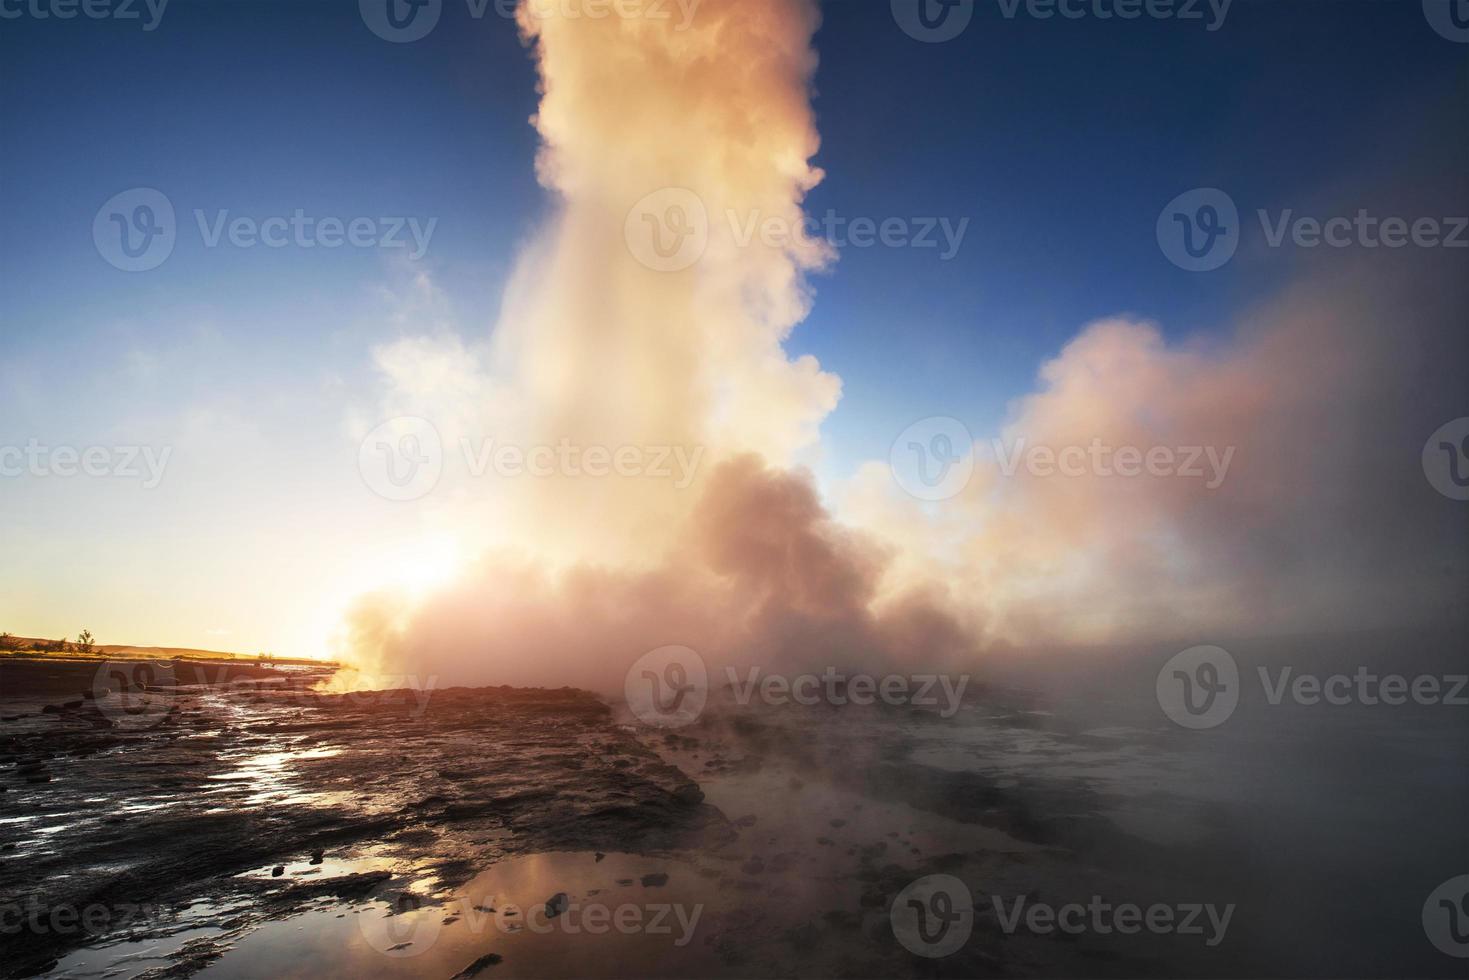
x=190 y=795
x=245 y=826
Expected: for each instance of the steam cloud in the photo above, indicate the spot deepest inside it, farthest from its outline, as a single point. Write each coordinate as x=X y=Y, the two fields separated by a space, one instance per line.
x=1318 y=396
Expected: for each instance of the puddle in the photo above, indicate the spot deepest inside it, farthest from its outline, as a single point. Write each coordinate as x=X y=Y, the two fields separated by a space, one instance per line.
x=272 y=776
x=612 y=925
x=128 y=958
x=330 y=867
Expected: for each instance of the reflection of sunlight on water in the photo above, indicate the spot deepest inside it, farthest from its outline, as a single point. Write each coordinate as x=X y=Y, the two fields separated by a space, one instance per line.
x=445 y=934
x=330 y=867
x=272 y=777
x=127 y=958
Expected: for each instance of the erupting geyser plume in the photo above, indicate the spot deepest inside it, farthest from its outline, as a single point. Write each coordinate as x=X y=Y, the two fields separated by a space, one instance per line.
x=743 y=560
x=596 y=348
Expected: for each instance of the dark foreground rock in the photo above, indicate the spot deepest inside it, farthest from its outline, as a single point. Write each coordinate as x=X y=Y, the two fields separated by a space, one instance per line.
x=209 y=788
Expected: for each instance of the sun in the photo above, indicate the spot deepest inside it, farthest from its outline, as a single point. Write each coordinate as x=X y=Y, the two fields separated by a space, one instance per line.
x=417 y=566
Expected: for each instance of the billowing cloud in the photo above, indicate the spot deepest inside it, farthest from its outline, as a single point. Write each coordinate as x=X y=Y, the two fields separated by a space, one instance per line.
x=1295 y=501
x=1285 y=493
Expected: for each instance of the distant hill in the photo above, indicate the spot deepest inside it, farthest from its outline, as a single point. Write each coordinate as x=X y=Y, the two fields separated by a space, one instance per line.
x=37 y=646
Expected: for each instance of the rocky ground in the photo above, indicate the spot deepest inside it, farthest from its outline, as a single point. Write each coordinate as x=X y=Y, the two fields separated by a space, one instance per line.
x=169 y=795
x=172 y=820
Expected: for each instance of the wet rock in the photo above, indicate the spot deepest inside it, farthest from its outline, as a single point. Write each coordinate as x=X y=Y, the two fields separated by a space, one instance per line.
x=843 y=920
x=317 y=856
x=654 y=880
x=532 y=798
x=599 y=856
x=783 y=861
x=556 y=904
x=689 y=794
x=478 y=966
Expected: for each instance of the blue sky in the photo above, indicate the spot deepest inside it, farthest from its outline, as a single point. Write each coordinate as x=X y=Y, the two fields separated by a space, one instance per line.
x=1059 y=141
